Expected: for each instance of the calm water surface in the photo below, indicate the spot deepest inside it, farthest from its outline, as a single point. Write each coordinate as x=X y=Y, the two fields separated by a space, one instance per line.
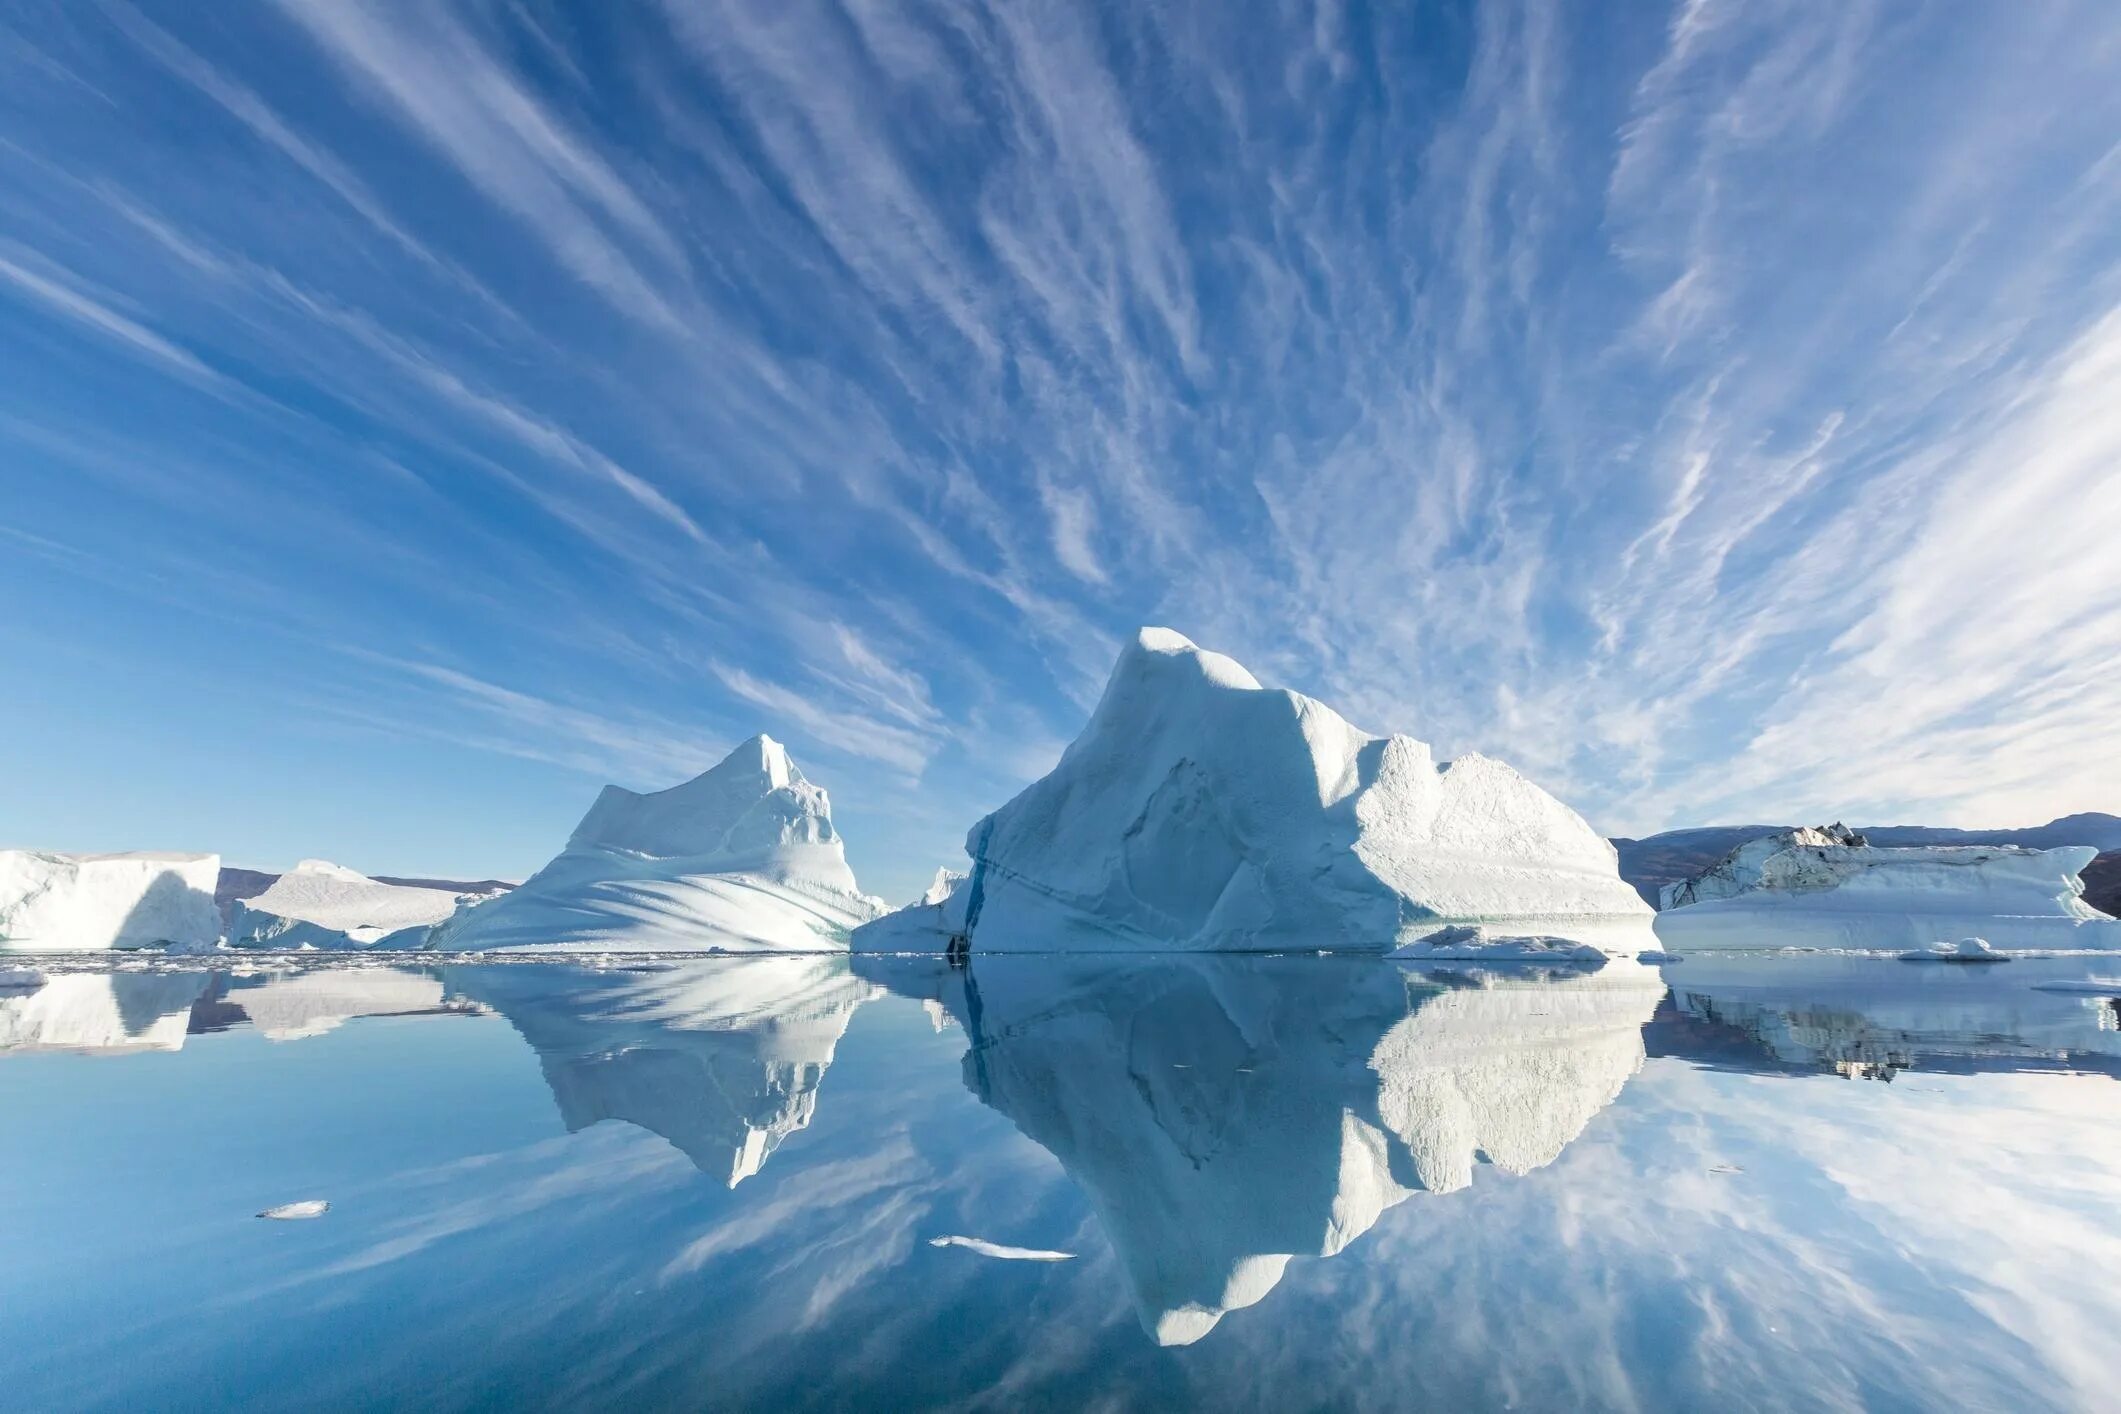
x=1287 y=1183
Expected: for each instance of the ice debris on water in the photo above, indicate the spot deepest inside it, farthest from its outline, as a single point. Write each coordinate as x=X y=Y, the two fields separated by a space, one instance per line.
x=1965 y=950
x=307 y=1208
x=995 y=1249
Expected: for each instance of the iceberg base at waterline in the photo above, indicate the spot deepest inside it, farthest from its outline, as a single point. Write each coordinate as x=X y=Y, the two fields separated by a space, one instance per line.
x=1756 y=923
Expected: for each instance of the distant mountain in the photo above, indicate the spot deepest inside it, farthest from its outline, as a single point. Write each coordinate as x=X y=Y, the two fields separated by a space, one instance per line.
x=1656 y=860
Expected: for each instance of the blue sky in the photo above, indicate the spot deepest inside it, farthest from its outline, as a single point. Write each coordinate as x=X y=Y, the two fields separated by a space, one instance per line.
x=413 y=415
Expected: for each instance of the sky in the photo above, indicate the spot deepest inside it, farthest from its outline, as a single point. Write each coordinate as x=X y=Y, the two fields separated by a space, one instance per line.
x=413 y=415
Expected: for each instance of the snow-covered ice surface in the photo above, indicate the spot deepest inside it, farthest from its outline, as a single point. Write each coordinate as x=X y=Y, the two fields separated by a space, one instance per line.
x=324 y=905
x=1803 y=889
x=52 y=902
x=742 y=858
x=1200 y=811
x=1338 y=1181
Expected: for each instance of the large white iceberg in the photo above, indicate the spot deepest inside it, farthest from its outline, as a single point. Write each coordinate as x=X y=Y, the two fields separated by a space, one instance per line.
x=51 y=902
x=1227 y=1114
x=324 y=905
x=1199 y=811
x=742 y=858
x=1829 y=888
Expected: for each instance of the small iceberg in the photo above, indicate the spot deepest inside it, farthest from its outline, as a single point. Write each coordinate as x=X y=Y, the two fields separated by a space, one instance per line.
x=321 y=905
x=1832 y=888
x=290 y=1212
x=995 y=1249
x=1965 y=950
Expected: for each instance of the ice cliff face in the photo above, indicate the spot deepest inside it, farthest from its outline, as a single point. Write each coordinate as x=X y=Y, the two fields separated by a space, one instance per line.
x=723 y=1060
x=1830 y=888
x=743 y=858
x=1201 y=811
x=323 y=905
x=82 y=902
x=1227 y=1114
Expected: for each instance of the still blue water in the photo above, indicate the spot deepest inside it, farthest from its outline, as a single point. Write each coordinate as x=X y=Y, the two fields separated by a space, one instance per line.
x=1286 y=1183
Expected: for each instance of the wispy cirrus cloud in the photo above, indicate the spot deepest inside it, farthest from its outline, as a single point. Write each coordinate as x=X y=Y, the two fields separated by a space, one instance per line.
x=1602 y=392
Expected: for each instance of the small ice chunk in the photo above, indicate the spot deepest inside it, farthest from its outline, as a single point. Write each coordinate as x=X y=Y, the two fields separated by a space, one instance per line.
x=307 y=1208
x=2090 y=986
x=995 y=1249
x=1965 y=950
x=20 y=979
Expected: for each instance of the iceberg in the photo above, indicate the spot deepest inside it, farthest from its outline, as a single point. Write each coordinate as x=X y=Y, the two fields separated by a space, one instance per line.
x=319 y=904
x=742 y=858
x=1965 y=950
x=721 y=1058
x=931 y=923
x=1830 y=888
x=1225 y=1115
x=1200 y=811
x=51 y=902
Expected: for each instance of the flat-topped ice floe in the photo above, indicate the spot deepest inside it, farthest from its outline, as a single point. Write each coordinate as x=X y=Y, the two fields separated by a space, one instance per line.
x=1830 y=889
x=52 y=902
x=742 y=858
x=1199 y=811
x=324 y=905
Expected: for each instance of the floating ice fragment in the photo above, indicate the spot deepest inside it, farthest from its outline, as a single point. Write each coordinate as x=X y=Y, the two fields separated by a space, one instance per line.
x=2090 y=986
x=995 y=1249
x=307 y=1208
x=1965 y=950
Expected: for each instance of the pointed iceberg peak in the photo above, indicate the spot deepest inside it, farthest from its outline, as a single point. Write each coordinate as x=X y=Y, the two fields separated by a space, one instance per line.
x=324 y=868
x=748 y=810
x=1163 y=650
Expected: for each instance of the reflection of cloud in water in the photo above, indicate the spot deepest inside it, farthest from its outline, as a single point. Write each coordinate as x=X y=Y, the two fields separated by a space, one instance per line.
x=721 y=1058
x=1876 y=1017
x=1226 y=1114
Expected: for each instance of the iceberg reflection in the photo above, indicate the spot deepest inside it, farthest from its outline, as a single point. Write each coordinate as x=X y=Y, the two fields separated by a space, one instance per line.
x=722 y=1058
x=1875 y=1017
x=1224 y=1114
